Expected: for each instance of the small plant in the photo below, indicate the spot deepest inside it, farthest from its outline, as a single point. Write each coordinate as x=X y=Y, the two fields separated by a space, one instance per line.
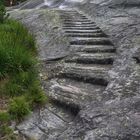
x=20 y=84
x=39 y=98
x=36 y=96
x=4 y=117
x=6 y=133
x=4 y=130
x=19 y=108
x=3 y=14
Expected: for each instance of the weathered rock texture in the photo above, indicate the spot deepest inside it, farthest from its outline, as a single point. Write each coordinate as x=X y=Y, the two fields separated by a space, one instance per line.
x=91 y=57
x=46 y=27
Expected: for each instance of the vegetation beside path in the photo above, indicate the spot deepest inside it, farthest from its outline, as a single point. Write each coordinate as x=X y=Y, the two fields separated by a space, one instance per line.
x=20 y=90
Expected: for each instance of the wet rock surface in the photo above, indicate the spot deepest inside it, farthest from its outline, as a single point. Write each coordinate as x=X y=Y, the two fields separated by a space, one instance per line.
x=91 y=71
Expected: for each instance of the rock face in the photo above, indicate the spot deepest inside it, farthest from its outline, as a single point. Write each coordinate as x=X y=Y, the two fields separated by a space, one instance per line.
x=91 y=57
x=120 y=20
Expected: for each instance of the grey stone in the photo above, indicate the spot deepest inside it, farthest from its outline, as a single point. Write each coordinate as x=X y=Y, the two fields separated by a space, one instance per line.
x=92 y=101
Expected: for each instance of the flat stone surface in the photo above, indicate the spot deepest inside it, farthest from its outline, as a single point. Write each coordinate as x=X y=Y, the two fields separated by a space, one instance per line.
x=93 y=48
x=107 y=121
x=83 y=31
x=74 y=92
x=42 y=124
x=96 y=74
x=85 y=35
x=90 y=41
x=92 y=58
x=45 y=25
x=79 y=23
x=81 y=28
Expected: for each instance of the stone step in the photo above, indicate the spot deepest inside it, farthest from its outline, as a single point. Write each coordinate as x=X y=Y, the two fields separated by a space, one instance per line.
x=69 y=12
x=73 y=16
x=79 y=23
x=94 y=48
x=76 y=20
x=95 y=74
x=80 y=28
x=83 y=31
x=62 y=111
x=90 y=41
x=92 y=58
x=75 y=25
x=74 y=92
x=88 y=35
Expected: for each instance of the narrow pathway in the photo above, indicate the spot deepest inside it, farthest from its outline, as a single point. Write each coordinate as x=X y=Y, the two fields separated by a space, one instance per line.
x=84 y=74
x=82 y=78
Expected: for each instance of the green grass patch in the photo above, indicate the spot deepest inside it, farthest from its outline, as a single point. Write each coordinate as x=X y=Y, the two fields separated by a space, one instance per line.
x=17 y=47
x=19 y=108
x=18 y=71
x=6 y=133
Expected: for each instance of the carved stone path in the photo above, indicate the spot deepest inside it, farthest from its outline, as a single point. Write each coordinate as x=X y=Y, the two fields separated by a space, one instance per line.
x=81 y=79
x=84 y=73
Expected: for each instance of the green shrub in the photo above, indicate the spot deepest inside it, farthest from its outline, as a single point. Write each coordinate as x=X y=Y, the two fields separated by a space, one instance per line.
x=17 y=47
x=26 y=79
x=13 y=89
x=5 y=130
x=18 y=71
x=36 y=96
x=4 y=117
x=19 y=108
x=20 y=34
x=14 y=59
x=39 y=98
x=3 y=14
x=6 y=133
x=20 y=83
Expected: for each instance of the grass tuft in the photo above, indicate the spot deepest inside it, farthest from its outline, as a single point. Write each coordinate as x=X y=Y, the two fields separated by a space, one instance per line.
x=19 y=108
x=20 y=90
x=18 y=70
x=16 y=49
x=4 y=117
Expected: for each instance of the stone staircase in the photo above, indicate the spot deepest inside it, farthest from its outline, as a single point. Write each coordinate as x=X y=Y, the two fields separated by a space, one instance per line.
x=84 y=73
x=82 y=78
